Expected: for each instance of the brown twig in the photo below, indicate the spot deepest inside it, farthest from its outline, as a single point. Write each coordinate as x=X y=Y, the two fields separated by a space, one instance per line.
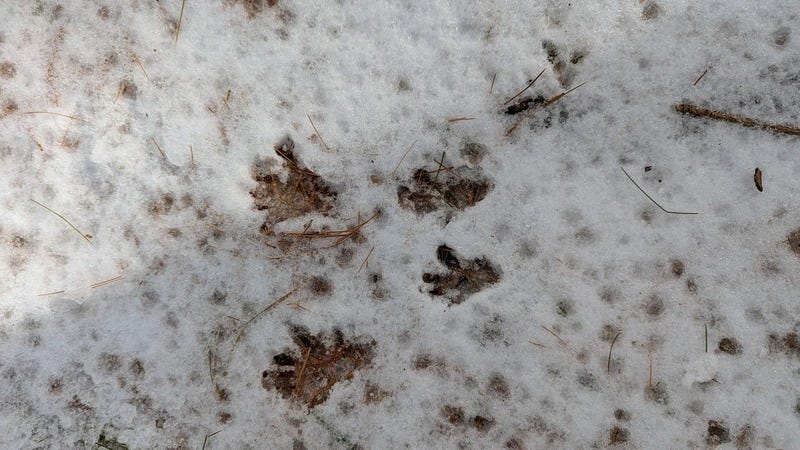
x=700 y=77
x=696 y=111
x=530 y=83
x=651 y=198
x=317 y=133
x=458 y=119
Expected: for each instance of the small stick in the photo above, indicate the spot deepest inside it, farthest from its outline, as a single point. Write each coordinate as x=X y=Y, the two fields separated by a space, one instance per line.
x=651 y=198
x=159 y=148
x=302 y=369
x=365 y=259
x=404 y=156
x=491 y=86
x=706 y=328
x=205 y=439
x=317 y=133
x=83 y=235
x=51 y=293
x=696 y=111
x=57 y=114
x=608 y=366
x=537 y=344
x=191 y=154
x=757 y=180
x=650 y=380
x=226 y=98
x=105 y=282
x=141 y=66
x=524 y=89
x=180 y=21
x=700 y=77
x=458 y=119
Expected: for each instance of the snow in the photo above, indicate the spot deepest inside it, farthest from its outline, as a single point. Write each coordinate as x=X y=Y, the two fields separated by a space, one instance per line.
x=162 y=352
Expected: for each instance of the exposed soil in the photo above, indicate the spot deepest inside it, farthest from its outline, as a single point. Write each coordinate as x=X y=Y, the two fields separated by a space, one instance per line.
x=308 y=374
x=461 y=279
x=428 y=191
x=300 y=191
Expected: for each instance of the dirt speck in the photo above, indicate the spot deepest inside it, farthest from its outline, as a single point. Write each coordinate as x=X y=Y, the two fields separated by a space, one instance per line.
x=320 y=286
x=618 y=436
x=110 y=363
x=308 y=374
x=255 y=7
x=137 y=368
x=7 y=70
x=717 y=433
x=651 y=10
x=677 y=268
x=9 y=107
x=622 y=415
x=730 y=346
x=788 y=344
x=794 y=242
x=499 y=385
x=453 y=414
x=654 y=306
x=374 y=394
x=657 y=393
x=461 y=279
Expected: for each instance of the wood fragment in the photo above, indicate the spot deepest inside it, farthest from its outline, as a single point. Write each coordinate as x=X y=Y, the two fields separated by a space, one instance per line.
x=180 y=22
x=87 y=237
x=537 y=344
x=404 y=157
x=608 y=365
x=459 y=119
x=651 y=198
x=757 y=179
x=317 y=133
x=530 y=83
x=705 y=326
x=491 y=86
x=700 y=77
x=696 y=111
x=191 y=155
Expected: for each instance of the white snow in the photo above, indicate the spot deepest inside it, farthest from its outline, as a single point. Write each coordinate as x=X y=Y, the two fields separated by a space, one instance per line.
x=151 y=359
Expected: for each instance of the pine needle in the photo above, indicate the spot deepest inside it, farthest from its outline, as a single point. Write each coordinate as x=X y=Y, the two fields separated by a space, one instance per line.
x=141 y=66
x=159 y=147
x=180 y=22
x=302 y=370
x=651 y=198
x=83 y=235
x=459 y=119
x=544 y=104
x=57 y=114
x=608 y=366
x=105 y=282
x=205 y=439
x=404 y=157
x=491 y=86
x=317 y=133
x=524 y=89
x=364 y=263
x=700 y=77
x=51 y=293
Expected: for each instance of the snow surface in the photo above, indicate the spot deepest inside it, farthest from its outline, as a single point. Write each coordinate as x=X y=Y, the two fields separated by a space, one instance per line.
x=582 y=255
